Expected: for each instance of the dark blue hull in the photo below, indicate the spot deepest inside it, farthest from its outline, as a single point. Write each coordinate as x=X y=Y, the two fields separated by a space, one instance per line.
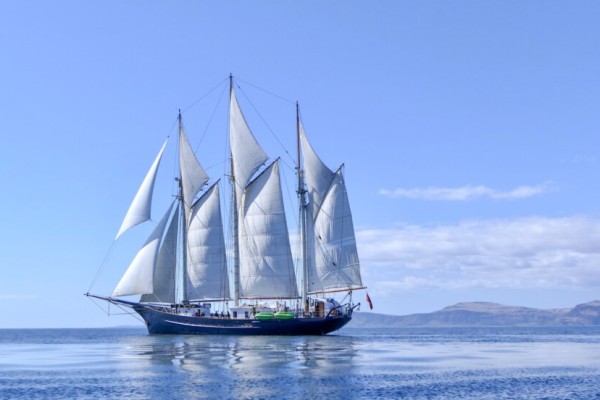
x=162 y=322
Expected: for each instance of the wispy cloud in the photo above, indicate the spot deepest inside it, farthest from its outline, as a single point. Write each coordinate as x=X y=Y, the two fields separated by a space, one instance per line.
x=468 y=192
x=520 y=253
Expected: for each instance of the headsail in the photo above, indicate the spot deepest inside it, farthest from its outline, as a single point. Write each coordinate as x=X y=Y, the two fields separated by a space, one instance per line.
x=206 y=275
x=139 y=210
x=266 y=265
x=163 y=283
x=332 y=258
x=139 y=277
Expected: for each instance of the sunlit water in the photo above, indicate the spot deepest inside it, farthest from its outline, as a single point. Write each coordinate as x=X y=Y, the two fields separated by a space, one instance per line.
x=490 y=363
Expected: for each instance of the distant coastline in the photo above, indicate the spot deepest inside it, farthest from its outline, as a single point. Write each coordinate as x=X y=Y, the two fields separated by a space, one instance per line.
x=467 y=314
x=485 y=314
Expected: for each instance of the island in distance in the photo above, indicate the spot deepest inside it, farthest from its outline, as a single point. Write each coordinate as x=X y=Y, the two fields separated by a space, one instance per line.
x=484 y=314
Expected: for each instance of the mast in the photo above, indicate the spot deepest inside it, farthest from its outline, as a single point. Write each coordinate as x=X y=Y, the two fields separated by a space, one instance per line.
x=236 y=242
x=184 y=227
x=302 y=205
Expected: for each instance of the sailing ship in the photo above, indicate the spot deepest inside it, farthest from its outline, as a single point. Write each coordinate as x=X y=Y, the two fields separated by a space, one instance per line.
x=182 y=271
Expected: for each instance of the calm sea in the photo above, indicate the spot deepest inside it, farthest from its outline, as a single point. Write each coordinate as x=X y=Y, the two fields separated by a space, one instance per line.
x=490 y=363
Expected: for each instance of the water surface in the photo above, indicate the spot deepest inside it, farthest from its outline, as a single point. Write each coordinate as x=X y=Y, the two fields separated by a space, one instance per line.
x=480 y=363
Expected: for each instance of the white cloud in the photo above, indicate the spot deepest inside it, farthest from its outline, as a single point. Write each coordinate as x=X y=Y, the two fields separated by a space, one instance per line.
x=468 y=192
x=522 y=253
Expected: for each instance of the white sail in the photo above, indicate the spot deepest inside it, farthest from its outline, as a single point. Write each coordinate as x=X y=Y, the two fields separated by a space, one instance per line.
x=336 y=257
x=139 y=210
x=246 y=153
x=193 y=176
x=139 y=277
x=163 y=281
x=332 y=258
x=266 y=266
x=317 y=175
x=206 y=277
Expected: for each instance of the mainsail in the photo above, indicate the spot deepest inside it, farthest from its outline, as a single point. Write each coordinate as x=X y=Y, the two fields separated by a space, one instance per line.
x=266 y=268
x=332 y=257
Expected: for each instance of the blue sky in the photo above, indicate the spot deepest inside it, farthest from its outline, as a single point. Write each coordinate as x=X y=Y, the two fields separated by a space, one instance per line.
x=469 y=131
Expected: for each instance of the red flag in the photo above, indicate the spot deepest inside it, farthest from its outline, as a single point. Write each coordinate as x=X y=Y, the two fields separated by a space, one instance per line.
x=369 y=301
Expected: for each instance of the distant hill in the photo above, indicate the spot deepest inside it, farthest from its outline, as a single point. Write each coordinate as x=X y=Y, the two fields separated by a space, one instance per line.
x=485 y=314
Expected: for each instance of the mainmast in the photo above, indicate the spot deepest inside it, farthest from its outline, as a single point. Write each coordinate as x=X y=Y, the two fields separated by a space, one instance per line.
x=302 y=204
x=183 y=213
x=236 y=242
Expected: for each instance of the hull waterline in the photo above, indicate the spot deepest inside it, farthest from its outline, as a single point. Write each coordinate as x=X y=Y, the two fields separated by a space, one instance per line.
x=161 y=322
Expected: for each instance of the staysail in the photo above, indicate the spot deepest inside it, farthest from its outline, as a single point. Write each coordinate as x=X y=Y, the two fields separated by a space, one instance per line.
x=332 y=257
x=139 y=277
x=163 y=283
x=139 y=210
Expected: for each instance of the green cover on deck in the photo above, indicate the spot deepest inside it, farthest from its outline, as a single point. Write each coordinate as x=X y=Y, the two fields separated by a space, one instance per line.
x=263 y=316
x=284 y=315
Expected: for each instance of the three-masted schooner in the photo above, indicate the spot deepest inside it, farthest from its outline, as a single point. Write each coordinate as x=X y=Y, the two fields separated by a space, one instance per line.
x=267 y=299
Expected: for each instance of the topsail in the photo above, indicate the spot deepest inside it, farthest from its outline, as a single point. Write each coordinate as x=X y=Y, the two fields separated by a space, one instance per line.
x=193 y=176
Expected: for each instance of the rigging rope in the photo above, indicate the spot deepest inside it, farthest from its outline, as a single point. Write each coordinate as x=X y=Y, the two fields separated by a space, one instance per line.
x=266 y=91
x=265 y=122
x=212 y=115
x=102 y=265
x=205 y=95
x=108 y=313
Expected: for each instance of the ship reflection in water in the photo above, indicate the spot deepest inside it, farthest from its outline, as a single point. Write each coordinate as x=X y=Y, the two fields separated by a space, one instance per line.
x=241 y=366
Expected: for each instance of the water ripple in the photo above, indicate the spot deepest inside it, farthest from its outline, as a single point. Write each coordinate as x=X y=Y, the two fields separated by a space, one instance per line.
x=357 y=363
